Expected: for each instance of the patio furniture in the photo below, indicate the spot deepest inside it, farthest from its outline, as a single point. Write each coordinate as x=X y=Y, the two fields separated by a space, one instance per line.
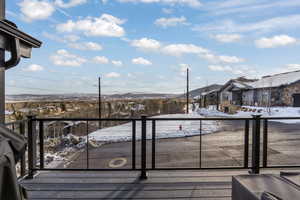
x=264 y=187
x=12 y=146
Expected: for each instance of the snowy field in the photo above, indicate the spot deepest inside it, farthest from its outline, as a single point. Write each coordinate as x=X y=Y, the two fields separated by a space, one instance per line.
x=265 y=112
x=164 y=129
x=170 y=129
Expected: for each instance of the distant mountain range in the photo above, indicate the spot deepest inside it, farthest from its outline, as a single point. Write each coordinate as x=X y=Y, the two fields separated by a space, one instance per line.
x=197 y=92
x=85 y=97
x=82 y=97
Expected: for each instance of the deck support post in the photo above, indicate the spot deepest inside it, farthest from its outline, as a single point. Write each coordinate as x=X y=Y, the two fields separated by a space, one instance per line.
x=2 y=70
x=255 y=144
x=143 y=148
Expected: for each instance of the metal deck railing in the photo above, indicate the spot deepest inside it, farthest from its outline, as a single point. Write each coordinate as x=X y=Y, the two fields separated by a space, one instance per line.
x=35 y=132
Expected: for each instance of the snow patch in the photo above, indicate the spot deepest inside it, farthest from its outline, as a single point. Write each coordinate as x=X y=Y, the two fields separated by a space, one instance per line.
x=164 y=129
x=248 y=111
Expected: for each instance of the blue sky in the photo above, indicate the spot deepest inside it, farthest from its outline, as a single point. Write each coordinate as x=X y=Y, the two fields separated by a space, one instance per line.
x=146 y=45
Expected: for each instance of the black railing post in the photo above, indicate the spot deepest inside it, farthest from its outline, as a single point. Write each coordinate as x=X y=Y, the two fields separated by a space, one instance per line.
x=153 y=143
x=255 y=144
x=23 y=158
x=87 y=146
x=133 y=143
x=143 y=148
x=265 y=143
x=246 y=145
x=200 y=147
x=41 y=140
x=31 y=145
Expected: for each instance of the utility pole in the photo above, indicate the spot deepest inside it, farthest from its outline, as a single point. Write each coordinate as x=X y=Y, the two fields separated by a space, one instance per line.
x=99 y=101
x=2 y=70
x=187 y=90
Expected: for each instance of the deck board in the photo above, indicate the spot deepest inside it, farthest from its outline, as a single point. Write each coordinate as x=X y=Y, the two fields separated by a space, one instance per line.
x=127 y=185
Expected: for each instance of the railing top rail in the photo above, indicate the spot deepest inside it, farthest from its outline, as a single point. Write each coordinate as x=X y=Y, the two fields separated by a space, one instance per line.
x=157 y=119
x=201 y=118
x=87 y=119
x=16 y=122
x=279 y=118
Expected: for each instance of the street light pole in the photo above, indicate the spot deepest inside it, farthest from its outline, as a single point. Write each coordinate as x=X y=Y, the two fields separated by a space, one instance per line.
x=187 y=90
x=99 y=101
x=2 y=70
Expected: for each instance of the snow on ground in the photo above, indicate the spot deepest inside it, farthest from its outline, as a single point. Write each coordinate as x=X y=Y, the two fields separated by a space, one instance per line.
x=252 y=110
x=8 y=112
x=54 y=160
x=164 y=129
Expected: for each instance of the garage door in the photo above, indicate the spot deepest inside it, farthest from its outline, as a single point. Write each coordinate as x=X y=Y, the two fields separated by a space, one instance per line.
x=296 y=100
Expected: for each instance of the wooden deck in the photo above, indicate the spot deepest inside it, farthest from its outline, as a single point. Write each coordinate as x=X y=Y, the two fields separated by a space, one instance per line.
x=212 y=185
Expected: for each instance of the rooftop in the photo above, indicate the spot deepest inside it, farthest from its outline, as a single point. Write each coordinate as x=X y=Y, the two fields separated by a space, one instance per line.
x=277 y=80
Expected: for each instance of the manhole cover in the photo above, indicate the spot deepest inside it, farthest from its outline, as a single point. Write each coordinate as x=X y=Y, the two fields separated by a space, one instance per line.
x=117 y=162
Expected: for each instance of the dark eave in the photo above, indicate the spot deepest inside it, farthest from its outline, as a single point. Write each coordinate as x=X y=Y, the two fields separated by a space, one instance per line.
x=16 y=33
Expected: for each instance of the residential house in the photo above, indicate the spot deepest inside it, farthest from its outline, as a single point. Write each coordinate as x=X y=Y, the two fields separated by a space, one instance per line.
x=275 y=90
x=209 y=98
x=230 y=95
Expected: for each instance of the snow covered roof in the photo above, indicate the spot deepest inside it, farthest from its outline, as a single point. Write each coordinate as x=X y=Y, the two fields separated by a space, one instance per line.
x=209 y=92
x=276 y=80
x=240 y=85
x=237 y=84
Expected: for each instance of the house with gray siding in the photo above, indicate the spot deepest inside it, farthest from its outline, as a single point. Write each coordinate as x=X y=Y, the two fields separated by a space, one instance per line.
x=230 y=95
x=276 y=90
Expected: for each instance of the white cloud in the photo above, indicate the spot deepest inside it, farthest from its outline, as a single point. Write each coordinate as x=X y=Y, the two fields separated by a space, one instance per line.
x=36 y=10
x=130 y=75
x=113 y=75
x=101 y=60
x=237 y=70
x=146 y=44
x=34 y=68
x=191 y=3
x=167 y=10
x=117 y=63
x=72 y=38
x=227 y=38
x=286 y=68
x=230 y=59
x=221 y=59
x=141 y=61
x=92 y=46
x=59 y=38
x=179 y=49
x=276 y=41
x=276 y=23
x=248 y=6
x=219 y=68
x=105 y=25
x=183 y=68
x=63 y=58
x=172 y=21
x=71 y=3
